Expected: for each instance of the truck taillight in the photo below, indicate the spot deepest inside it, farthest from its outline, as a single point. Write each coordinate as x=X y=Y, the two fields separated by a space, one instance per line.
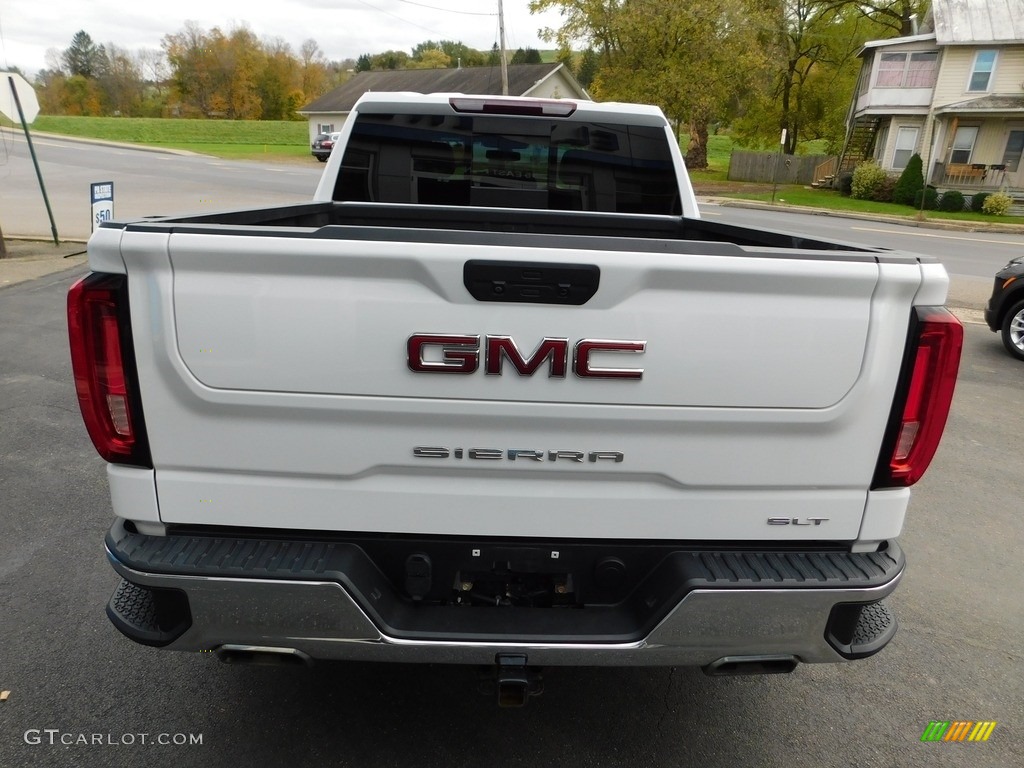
x=104 y=368
x=923 y=398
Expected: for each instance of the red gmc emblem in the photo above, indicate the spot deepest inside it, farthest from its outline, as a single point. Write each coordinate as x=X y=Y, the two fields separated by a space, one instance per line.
x=455 y=353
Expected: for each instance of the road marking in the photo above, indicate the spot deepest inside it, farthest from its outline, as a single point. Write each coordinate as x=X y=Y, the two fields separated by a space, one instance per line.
x=925 y=234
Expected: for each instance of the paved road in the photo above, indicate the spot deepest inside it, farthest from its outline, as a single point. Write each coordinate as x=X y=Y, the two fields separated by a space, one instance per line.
x=148 y=183
x=966 y=254
x=958 y=655
x=145 y=183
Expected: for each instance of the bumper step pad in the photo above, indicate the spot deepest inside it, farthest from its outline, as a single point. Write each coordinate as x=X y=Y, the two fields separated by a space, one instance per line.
x=863 y=631
x=154 y=617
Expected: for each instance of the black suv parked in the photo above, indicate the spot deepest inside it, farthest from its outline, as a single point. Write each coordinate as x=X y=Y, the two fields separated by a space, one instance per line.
x=1005 y=312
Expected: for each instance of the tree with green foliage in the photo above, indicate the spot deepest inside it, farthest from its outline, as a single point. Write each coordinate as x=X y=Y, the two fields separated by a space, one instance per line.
x=587 y=68
x=526 y=56
x=431 y=59
x=278 y=78
x=896 y=15
x=812 y=71
x=390 y=60
x=459 y=54
x=690 y=59
x=83 y=57
x=911 y=180
x=81 y=96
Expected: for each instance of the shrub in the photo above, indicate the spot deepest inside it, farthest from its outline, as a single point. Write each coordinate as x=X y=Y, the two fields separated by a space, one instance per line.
x=884 y=191
x=952 y=201
x=867 y=177
x=845 y=183
x=997 y=204
x=978 y=200
x=911 y=180
x=931 y=198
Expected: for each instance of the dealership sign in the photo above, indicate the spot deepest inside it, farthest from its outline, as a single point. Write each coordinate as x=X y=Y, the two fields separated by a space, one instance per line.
x=102 y=195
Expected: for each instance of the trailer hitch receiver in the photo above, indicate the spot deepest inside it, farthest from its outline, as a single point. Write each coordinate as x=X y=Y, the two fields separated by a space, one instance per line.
x=512 y=680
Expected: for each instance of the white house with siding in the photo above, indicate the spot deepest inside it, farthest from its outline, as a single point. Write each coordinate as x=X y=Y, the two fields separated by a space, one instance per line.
x=953 y=93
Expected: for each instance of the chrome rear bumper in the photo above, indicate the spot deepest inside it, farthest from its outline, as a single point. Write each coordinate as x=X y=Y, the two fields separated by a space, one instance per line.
x=206 y=607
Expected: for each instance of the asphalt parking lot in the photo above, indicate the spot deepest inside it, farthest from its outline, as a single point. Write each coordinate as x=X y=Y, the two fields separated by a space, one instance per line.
x=958 y=655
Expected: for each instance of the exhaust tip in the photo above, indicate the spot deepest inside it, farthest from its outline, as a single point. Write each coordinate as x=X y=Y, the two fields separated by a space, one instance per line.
x=751 y=665
x=263 y=656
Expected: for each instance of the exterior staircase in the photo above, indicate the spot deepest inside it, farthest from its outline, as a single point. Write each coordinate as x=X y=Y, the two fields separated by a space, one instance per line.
x=859 y=146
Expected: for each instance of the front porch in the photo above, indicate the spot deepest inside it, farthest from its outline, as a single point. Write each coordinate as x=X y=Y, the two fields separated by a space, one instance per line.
x=976 y=177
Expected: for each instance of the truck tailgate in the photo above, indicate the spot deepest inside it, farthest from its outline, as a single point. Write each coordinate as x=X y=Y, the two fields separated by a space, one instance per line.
x=278 y=389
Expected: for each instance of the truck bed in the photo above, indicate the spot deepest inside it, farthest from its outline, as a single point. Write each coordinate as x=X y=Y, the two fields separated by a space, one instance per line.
x=315 y=220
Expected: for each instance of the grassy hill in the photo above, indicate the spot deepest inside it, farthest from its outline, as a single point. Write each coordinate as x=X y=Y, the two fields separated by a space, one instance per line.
x=224 y=138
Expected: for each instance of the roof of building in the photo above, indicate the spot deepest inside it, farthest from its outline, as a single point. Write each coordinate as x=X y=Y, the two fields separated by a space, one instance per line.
x=986 y=104
x=963 y=22
x=477 y=80
x=899 y=40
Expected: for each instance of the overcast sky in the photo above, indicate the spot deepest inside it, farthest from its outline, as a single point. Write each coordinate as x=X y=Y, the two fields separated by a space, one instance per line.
x=343 y=28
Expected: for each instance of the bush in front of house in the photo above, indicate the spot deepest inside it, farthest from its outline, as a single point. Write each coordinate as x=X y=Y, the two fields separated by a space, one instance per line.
x=867 y=178
x=931 y=199
x=978 y=201
x=845 y=183
x=952 y=201
x=884 y=190
x=997 y=204
x=911 y=180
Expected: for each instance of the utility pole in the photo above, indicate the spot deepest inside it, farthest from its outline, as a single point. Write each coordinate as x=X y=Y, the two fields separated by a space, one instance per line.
x=504 y=61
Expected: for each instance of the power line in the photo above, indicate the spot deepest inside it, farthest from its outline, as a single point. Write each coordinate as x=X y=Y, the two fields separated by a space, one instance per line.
x=447 y=10
x=395 y=16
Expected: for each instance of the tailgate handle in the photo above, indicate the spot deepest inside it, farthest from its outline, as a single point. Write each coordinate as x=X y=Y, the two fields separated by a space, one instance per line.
x=531 y=282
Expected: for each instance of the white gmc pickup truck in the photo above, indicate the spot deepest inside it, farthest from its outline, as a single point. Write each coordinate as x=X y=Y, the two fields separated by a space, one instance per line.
x=499 y=396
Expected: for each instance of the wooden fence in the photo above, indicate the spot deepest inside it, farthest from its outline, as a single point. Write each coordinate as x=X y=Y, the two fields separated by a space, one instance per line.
x=767 y=167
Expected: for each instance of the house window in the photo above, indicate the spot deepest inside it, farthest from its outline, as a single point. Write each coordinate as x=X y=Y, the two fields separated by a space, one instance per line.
x=890 y=70
x=325 y=128
x=963 y=144
x=903 y=70
x=906 y=144
x=981 y=73
x=1014 y=148
x=921 y=69
x=865 y=76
